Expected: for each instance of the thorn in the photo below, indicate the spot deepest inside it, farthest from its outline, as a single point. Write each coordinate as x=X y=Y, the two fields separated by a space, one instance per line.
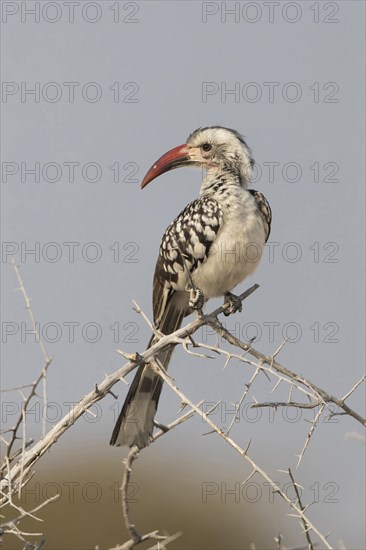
x=133 y=357
x=161 y=427
x=113 y=394
x=247 y=448
x=209 y=433
x=182 y=406
x=192 y=341
x=214 y=407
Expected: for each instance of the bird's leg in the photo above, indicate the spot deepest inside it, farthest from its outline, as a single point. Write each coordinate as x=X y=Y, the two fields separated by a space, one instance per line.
x=196 y=298
x=234 y=303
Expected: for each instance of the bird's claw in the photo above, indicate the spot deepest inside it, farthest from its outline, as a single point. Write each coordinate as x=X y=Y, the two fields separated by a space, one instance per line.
x=234 y=304
x=196 y=299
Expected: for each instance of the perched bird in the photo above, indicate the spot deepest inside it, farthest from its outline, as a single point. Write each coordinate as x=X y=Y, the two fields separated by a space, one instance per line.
x=213 y=245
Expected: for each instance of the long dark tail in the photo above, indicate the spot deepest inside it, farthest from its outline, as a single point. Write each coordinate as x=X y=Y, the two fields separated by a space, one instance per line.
x=135 y=423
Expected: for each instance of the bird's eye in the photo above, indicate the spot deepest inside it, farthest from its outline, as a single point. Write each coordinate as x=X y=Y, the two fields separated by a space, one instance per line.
x=206 y=147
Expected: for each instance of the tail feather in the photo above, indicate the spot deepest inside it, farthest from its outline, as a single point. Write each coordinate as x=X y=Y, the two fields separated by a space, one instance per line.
x=135 y=423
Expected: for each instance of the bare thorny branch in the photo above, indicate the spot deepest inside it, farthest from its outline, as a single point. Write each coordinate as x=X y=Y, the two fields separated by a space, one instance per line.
x=136 y=537
x=16 y=473
x=244 y=453
x=10 y=455
x=303 y=509
x=40 y=378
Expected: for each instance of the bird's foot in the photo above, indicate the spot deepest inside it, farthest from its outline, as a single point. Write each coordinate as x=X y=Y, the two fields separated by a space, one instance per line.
x=196 y=299
x=234 y=304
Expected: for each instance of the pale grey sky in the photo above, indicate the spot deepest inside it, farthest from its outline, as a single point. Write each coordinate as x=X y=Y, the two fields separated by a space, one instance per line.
x=115 y=86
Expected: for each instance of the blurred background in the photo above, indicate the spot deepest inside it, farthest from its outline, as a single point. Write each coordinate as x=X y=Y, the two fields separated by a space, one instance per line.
x=93 y=93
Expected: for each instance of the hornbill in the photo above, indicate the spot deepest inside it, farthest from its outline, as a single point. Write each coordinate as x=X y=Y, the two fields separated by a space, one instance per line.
x=213 y=245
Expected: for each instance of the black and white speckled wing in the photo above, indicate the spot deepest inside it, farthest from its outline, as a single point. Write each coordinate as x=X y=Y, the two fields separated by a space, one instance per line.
x=185 y=245
x=264 y=210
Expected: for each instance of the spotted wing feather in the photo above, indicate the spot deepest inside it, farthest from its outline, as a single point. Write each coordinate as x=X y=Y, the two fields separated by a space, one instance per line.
x=185 y=245
x=264 y=210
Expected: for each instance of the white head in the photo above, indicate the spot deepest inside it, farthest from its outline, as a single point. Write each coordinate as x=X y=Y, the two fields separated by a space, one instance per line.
x=217 y=149
x=222 y=150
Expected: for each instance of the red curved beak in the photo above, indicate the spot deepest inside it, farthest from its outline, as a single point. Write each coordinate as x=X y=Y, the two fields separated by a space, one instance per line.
x=175 y=158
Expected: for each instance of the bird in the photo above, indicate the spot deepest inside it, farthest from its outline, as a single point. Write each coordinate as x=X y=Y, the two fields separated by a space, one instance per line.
x=211 y=246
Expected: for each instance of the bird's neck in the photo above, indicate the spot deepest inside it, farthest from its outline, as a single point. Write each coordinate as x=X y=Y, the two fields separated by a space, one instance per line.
x=218 y=179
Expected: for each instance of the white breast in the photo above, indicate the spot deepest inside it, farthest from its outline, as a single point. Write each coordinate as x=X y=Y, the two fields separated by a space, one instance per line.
x=237 y=250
